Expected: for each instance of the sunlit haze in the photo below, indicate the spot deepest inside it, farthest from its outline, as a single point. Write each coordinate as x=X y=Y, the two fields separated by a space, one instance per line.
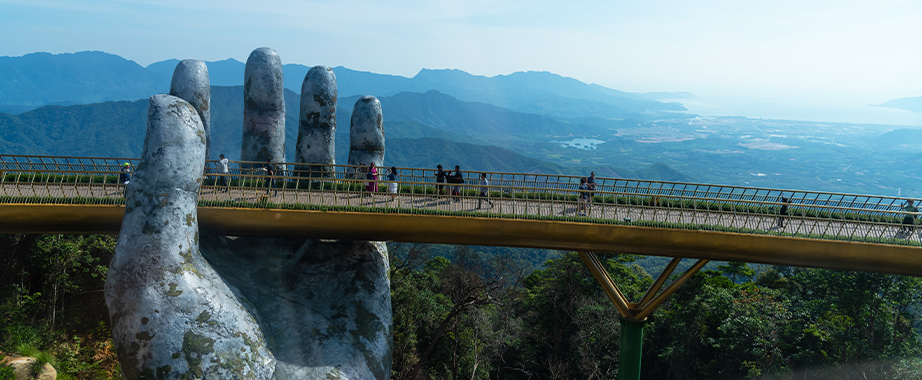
x=807 y=60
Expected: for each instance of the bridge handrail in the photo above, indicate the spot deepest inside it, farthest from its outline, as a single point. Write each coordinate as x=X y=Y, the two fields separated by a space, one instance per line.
x=111 y=166
x=863 y=215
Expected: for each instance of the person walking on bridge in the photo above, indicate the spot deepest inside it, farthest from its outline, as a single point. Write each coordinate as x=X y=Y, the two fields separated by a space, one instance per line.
x=372 y=177
x=591 y=183
x=583 y=201
x=392 y=182
x=782 y=212
x=484 y=191
x=270 y=177
x=909 y=220
x=440 y=178
x=125 y=175
x=224 y=170
x=456 y=180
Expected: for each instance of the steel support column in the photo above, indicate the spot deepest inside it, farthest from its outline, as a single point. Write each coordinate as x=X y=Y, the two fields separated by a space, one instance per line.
x=634 y=315
x=630 y=351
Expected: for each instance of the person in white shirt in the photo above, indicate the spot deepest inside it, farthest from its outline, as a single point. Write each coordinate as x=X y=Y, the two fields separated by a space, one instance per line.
x=223 y=169
x=484 y=191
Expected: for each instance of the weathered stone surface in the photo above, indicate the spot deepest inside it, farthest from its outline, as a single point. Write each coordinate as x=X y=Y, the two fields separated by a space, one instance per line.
x=264 y=108
x=317 y=122
x=366 y=133
x=324 y=306
x=172 y=315
x=216 y=307
x=190 y=83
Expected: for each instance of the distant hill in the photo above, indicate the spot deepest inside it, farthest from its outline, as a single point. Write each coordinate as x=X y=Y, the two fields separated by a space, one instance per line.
x=900 y=139
x=429 y=152
x=39 y=79
x=110 y=129
x=87 y=77
x=116 y=129
x=480 y=120
x=909 y=104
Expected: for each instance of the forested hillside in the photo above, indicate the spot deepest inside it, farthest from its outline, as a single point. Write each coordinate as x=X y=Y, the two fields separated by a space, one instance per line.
x=487 y=316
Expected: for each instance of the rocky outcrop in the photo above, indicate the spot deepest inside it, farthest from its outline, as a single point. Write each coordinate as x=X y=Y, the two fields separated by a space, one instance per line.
x=317 y=123
x=263 y=108
x=23 y=368
x=190 y=83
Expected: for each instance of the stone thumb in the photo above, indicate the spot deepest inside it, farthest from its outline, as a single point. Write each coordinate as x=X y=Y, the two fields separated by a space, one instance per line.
x=171 y=313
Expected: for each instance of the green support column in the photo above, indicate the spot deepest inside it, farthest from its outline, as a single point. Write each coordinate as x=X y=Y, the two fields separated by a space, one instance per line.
x=630 y=350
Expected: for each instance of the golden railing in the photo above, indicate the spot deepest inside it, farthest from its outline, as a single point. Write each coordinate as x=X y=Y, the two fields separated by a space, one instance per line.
x=530 y=196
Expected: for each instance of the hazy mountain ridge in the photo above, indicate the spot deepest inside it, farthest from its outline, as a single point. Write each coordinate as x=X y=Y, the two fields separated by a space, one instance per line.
x=86 y=77
x=116 y=129
x=80 y=78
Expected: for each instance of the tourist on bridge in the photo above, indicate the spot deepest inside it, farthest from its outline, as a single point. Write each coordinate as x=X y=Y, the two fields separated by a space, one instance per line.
x=440 y=178
x=125 y=175
x=224 y=170
x=583 y=209
x=392 y=184
x=591 y=183
x=909 y=220
x=372 y=176
x=270 y=177
x=456 y=179
x=782 y=212
x=484 y=190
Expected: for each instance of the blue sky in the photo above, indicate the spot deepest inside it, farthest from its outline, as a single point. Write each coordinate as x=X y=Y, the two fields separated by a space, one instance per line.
x=780 y=58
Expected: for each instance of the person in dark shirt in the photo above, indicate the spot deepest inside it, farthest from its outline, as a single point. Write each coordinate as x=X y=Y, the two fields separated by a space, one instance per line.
x=457 y=179
x=125 y=175
x=440 y=178
x=583 y=199
x=392 y=182
x=782 y=212
x=270 y=179
x=591 y=183
x=909 y=220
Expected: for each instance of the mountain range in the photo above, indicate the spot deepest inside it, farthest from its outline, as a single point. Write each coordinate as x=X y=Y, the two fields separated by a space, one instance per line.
x=86 y=104
x=116 y=129
x=39 y=79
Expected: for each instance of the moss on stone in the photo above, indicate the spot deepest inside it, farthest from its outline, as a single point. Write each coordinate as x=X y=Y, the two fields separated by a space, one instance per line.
x=194 y=348
x=173 y=292
x=205 y=319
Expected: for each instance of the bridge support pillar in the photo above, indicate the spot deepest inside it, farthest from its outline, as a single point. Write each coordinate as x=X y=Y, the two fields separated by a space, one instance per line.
x=631 y=348
x=634 y=315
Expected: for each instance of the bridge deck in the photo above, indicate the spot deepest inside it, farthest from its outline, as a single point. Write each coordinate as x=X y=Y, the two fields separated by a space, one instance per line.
x=839 y=231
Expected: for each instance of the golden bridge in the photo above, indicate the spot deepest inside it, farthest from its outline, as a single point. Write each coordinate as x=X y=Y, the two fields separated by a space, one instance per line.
x=43 y=194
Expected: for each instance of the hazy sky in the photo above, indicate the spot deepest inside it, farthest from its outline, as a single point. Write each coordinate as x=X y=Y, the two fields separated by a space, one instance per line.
x=806 y=54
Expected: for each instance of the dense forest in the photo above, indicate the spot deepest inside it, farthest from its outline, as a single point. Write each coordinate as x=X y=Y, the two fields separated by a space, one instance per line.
x=487 y=313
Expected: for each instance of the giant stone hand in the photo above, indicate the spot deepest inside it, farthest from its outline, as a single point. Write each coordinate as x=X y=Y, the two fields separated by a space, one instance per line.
x=185 y=305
